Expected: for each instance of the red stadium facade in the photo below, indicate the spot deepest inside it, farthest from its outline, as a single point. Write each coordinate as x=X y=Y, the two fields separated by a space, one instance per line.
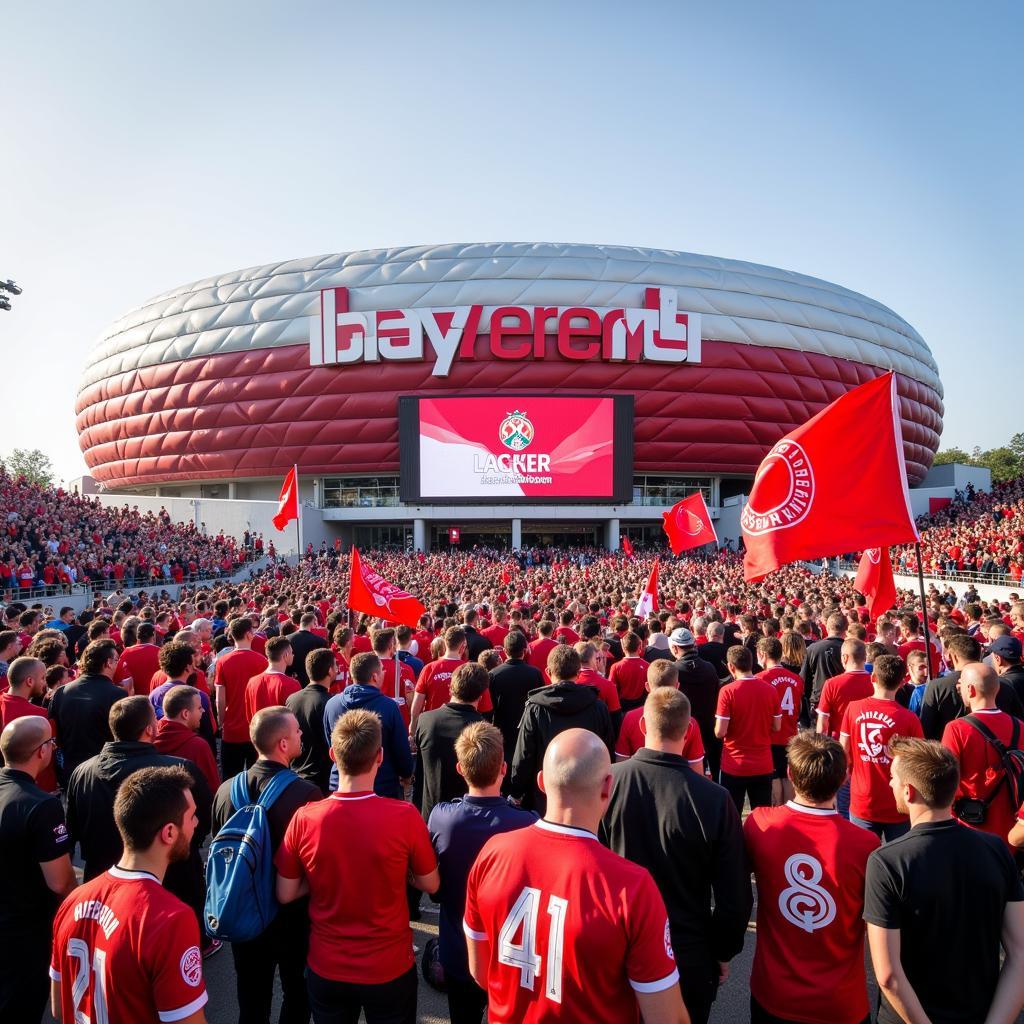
x=225 y=384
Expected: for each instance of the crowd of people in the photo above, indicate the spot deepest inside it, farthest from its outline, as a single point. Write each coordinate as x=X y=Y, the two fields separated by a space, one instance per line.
x=53 y=539
x=588 y=798
x=978 y=532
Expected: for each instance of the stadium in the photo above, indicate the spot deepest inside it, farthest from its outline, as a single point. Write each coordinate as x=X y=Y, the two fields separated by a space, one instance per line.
x=504 y=394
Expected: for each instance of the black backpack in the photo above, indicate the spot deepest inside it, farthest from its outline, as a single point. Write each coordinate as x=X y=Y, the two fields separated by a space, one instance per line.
x=973 y=812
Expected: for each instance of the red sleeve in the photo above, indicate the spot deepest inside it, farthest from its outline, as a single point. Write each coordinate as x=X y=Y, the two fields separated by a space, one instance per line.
x=423 y=683
x=693 y=744
x=825 y=700
x=951 y=739
x=650 y=960
x=288 y=861
x=724 y=709
x=486 y=705
x=913 y=728
x=176 y=967
x=845 y=728
x=612 y=698
x=122 y=672
x=472 y=922
x=422 y=859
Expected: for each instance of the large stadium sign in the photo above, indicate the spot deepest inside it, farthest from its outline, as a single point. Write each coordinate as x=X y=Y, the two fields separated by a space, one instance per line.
x=655 y=332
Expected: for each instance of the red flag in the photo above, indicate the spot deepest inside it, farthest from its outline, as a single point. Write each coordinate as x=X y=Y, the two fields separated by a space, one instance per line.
x=874 y=580
x=506 y=576
x=688 y=524
x=627 y=546
x=836 y=484
x=288 y=503
x=649 y=598
x=370 y=593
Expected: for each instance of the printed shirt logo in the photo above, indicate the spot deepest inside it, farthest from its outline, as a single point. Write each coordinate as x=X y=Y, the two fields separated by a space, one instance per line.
x=783 y=490
x=805 y=903
x=60 y=833
x=192 y=967
x=516 y=431
x=668 y=942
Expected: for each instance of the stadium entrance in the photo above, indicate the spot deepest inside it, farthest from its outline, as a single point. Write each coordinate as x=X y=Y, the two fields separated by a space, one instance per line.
x=465 y=536
x=560 y=534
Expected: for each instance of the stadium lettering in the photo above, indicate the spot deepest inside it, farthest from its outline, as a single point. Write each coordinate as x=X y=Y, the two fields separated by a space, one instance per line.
x=656 y=332
x=532 y=463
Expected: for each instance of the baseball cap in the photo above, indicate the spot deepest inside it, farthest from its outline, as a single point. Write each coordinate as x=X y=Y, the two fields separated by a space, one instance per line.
x=1006 y=647
x=681 y=637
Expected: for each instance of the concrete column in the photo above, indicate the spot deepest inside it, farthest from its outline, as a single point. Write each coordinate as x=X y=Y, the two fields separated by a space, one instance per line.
x=232 y=490
x=517 y=534
x=611 y=535
x=419 y=535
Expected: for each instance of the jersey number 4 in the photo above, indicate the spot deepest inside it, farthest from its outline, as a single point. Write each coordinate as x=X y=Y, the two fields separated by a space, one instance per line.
x=523 y=955
x=79 y=952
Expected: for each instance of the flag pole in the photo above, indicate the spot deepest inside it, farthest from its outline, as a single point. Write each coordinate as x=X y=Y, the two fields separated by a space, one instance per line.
x=924 y=610
x=298 y=518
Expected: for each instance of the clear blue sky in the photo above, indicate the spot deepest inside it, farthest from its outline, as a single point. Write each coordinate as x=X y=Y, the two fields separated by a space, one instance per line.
x=877 y=145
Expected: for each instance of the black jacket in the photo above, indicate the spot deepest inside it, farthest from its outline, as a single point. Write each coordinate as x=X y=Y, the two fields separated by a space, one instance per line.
x=714 y=654
x=80 y=710
x=685 y=830
x=942 y=703
x=436 y=733
x=511 y=684
x=314 y=763
x=698 y=680
x=1014 y=677
x=303 y=643
x=549 y=711
x=820 y=665
x=94 y=785
x=476 y=643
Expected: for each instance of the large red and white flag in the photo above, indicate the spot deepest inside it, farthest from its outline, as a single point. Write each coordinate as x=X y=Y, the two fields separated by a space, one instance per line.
x=370 y=593
x=649 y=598
x=627 y=546
x=836 y=484
x=288 y=503
x=874 y=580
x=688 y=524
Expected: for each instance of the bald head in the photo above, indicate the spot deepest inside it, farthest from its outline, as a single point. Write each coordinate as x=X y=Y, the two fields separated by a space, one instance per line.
x=576 y=765
x=22 y=737
x=980 y=678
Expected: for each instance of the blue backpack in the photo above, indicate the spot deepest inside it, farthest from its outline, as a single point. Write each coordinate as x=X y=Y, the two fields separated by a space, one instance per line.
x=240 y=900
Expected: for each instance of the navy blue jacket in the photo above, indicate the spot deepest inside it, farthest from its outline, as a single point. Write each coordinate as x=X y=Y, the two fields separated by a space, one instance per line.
x=459 y=829
x=398 y=763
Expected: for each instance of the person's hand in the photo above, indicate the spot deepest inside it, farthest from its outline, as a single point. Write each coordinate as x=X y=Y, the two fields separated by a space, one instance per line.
x=723 y=971
x=412 y=744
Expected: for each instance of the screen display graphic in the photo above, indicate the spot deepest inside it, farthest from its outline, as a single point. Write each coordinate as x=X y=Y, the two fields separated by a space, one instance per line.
x=507 y=447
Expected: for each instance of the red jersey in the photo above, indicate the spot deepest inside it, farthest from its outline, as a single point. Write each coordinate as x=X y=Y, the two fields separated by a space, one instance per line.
x=259 y=643
x=749 y=706
x=12 y=707
x=981 y=768
x=569 y=635
x=435 y=682
x=809 y=864
x=869 y=724
x=362 y=644
x=197 y=677
x=630 y=678
x=267 y=690
x=837 y=694
x=538 y=650
x=790 y=688
x=233 y=671
x=423 y=639
x=139 y=664
x=406 y=685
x=631 y=739
x=572 y=928
x=358 y=912
x=495 y=634
x=341 y=679
x=605 y=687
x=125 y=949
x=918 y=645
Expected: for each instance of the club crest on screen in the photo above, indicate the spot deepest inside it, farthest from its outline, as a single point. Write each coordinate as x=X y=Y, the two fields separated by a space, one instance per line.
x=516 y=431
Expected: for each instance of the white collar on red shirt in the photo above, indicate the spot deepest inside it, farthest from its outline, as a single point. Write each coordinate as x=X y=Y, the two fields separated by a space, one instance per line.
x=352 y=796
x=128 y=875
x=804 y=809
x=565 y=830
x=987 y=711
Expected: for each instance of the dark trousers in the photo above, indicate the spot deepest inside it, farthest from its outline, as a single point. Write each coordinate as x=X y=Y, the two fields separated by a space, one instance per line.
x=757 y=787
x=698 y=980
x=339 y=1002
x=235 y=758
x=282 y=947
x=629 y=705
x=186 y=879
x=24 y=976
x=759 y=1015
x=466 y=1001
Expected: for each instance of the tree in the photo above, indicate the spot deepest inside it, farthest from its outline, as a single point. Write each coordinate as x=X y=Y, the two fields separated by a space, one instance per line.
x=33 y=465
x=1004 y=463
x=949 y=455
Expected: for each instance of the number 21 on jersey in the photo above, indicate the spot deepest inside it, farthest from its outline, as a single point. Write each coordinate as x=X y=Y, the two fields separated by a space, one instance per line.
x=523 y=955
x=79 y=952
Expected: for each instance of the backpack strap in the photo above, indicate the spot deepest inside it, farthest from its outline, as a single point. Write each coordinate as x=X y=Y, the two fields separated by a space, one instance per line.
x=240 y=790
x=1000 y=749
x=275 y=787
